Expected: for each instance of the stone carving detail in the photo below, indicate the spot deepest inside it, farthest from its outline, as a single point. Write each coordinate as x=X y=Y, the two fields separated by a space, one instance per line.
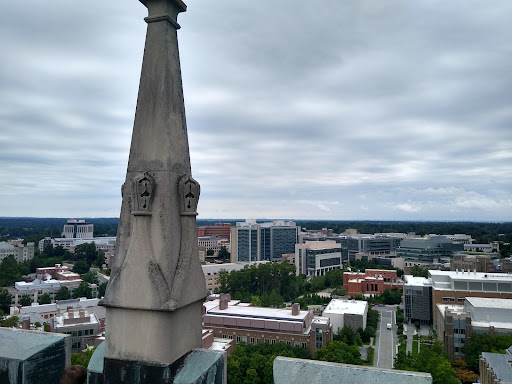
x=189 y=191
x=143 y=191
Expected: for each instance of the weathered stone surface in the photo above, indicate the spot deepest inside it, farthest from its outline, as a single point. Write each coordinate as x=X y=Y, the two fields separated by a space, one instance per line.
x=153 y=336
x=154 y=297
x=156 y=243
x=298 y=371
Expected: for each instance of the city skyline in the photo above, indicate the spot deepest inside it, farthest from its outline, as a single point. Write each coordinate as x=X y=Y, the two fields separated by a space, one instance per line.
x=396 y=111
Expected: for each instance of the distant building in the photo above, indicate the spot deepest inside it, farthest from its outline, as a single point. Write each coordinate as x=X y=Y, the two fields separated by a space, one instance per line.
x=496 y=368
x=460 y=238
x=38 y=287
x=352 y=313
x=231 y=319
x=58 y=272
x=315 y=258
x=82 y=325
x=418 y=299
x=16 y=248
x=478 y=263
x=78 y=229
x=452 y=287
x=104 y=244
x=429 y=249
x=371 y=282
x=456 y=324
x=222 y=230
x=366 y=246
x=211 y=272
x=488 y=248
x=251 y=241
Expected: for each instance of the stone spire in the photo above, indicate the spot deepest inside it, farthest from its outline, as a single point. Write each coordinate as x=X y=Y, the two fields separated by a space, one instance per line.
x=154 y=298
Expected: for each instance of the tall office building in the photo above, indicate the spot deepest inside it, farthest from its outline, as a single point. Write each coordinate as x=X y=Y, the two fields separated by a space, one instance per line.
x=78 y=229
x=251 y=241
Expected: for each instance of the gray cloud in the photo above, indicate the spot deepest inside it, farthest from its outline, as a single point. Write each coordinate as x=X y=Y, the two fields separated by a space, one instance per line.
x=292 y=110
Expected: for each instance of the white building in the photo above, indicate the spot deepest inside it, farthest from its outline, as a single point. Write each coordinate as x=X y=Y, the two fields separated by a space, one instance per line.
x=315 y=258
x=78 y=229
x=347 y=312
x=16 y=248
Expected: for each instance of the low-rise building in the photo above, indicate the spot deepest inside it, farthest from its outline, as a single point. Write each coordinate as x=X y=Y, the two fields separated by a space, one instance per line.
x=222 y=230
x=452 y=287
x=81 y=324
x=456 y=324
x=16 y=248
x=352 y=313
x=371 y=282
x=58 y=272
x=231 y=319
x=418 y=299
x=478 y=263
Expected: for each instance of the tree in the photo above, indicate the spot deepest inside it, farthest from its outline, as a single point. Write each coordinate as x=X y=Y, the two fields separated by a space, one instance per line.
x=86 y=252
x=101 y=289
x=5 y=300
x=91 y=277
x=11 y=322
x=345 y=334
x=224 y=254
x=44 y=299
x=81 y=267
x=419 y=272
x=63 y=294
x=82 y=358
x=256 y=301
x=83 y=290
x=9 y=271
x=209 y=252
x=25 y=300
x=100 y=259
x=339 y=352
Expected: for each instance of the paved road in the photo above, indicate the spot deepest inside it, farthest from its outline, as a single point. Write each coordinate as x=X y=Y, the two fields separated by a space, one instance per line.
x=386 y=340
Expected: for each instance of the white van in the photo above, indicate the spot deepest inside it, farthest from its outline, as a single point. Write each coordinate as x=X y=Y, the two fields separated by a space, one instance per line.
x=388 y=326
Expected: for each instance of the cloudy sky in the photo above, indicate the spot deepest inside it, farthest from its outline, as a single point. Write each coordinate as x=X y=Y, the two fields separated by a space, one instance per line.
x=387 y=110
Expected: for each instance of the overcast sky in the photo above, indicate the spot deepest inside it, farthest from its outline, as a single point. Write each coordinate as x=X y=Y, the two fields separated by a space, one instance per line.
x=387 y=110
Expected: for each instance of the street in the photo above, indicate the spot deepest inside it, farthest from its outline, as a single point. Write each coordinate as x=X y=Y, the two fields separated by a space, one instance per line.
x=386 y=339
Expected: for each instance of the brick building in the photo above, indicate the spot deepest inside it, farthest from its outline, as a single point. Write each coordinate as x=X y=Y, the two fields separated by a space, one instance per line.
x=372 y=281
x=222 y=230
x=452 y=287
x=231 y=319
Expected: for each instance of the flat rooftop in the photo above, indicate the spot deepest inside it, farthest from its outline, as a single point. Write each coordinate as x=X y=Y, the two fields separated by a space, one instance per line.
x=257 y=312
x=416 y=280
x=483 y=302
x=355 y=307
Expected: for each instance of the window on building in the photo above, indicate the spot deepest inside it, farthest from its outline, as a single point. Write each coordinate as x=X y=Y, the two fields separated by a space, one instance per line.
x=463 y=331
x=267 y=341
x=288 y=342
x=252 y=340
x=224 y=336
x=238 y=339
x=304 y=345
x=258 y=341
x=297 y=344
x=455 y=331
x=230 y=337
x=273 y=341
x=244 y=339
